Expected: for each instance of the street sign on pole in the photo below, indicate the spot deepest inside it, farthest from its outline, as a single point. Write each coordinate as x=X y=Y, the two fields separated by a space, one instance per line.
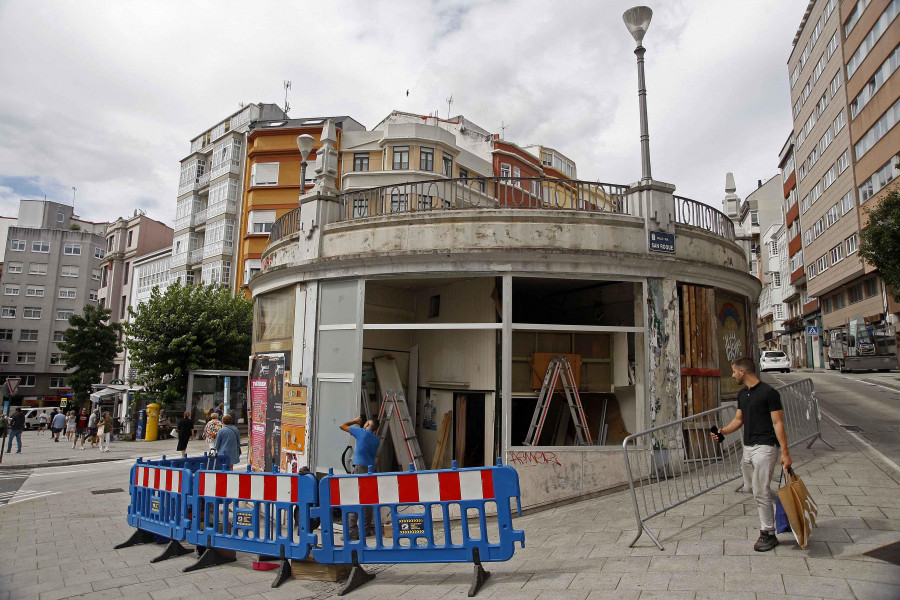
x=812 y=330
x=13 y=384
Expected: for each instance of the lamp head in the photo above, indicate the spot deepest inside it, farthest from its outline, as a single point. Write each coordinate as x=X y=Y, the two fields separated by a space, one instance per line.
x=305 y=144
x=637 y=20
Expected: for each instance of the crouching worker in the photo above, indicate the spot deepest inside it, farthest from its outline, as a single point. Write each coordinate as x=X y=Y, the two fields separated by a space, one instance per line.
x=363 y=458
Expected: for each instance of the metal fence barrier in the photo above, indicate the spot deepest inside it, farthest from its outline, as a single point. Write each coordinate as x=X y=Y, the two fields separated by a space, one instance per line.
x=802 y=420
x=676 y=462
x=207 y=462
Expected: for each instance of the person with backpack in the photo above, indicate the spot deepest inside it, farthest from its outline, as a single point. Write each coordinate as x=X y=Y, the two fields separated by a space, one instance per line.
x=228 y=441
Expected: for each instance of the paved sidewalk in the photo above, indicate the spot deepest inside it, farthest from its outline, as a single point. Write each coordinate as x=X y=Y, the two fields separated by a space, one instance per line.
x=41 y=451
x=576 y=551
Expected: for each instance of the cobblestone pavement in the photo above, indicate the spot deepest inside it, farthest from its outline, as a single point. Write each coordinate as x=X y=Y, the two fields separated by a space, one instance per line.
x=575 y=551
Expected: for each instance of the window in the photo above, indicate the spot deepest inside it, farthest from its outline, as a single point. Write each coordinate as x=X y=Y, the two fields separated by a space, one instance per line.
x=10 y=290
x=807 y=237
x=57 y=382
x=361 y=161
x=127 y=269
x=871 y=287
x=401 y=157
x=846 y=203
x=776 y=279
x=463 y=174
x=123 y=308
x=57 y=336
x=252 y=266
x=505 y=170
x=27 y=381
x=448 y=165
x=819 y=227
x=360 y=206
x=879 y=129
x=109 y=242
x=6 y=335
x=4 y=358
x=836 y=254
x=835 y=84
x=801 y=136
x=797 y=106
x=95 y=274
x=26 y=358
x=816 y=192
x=92 y=295
x=264 y=174
x=779 y=311
x=833 y=215
x=31 y=312
x=99 y=253
x=28 y=335
x=130 y=239
x=822 y=264
x=851 y=244
x=855 y=293
x=855 y=14
x=843 y=161
x=216 y=273
x=103 y=274
x=398 y=202
x=805 y=204
x=830 y=176
x=69 y=271
x=65 y=292
x=72 y=249
x=875 y=33
x=261 y=221
x=8 y=312
x=56 y=358
x=426 y=159
x=42 y=247
x=35 y=291
x=832 y=44
x=826 y=140
x=64 y=314
x=17 y=245
x=795 y=76
x=773 y=248
x=840 y=121
x=14 y=267
x=879 y=179
x=820 y=67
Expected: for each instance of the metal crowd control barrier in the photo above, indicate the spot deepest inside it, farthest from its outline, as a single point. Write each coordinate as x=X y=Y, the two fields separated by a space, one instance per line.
x=159 y=507
x=802 y=420
x=264 y=513
x=207 y=462
x=676 y=462
x=419 y=506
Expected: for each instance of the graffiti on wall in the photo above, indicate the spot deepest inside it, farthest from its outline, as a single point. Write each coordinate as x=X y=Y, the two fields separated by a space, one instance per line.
x=731 y=333
x=531 y=459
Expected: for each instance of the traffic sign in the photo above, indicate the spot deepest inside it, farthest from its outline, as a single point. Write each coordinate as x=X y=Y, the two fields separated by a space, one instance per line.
x=811 y=330
x=13 y=384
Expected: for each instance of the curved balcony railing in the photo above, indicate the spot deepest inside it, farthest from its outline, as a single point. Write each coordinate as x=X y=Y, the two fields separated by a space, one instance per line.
x=696 y=214
x=285 y=225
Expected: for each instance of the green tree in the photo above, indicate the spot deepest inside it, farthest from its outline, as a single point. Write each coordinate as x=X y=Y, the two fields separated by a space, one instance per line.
x=89 y=347
x=880 y=241
x=184 y=329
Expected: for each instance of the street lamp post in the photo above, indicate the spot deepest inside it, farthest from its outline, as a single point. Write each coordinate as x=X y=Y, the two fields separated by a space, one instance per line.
x=305 y=144
x=637 y=20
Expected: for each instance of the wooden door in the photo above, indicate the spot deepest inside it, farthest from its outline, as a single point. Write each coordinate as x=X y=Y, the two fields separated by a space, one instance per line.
x=700 y=371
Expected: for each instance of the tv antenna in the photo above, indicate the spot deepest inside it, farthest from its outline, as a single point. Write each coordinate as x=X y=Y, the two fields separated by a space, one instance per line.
x=287 y=86
x=449 y=102
x=503 y=127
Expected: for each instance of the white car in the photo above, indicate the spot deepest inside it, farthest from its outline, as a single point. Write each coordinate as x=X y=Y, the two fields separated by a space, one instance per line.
x=774 y=360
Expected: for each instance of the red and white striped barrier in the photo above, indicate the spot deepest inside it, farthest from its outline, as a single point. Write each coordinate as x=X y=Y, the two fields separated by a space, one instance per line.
x=165 y=480
x=248 y=486
x=413 y=487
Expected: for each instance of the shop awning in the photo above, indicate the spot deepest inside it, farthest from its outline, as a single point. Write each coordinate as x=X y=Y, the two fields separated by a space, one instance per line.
x=98 y=396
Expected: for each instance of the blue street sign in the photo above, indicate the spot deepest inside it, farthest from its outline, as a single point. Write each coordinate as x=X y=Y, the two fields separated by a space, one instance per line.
x=811 y=330
x=660 y=241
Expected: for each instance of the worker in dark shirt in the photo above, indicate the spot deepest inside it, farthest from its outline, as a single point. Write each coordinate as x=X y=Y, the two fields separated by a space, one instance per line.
x=16 y=425
x=761 y=415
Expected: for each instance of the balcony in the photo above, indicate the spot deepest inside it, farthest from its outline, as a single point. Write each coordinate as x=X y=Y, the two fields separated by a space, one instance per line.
x=178 y=260
x=217 y=249
x=198 y=218
x=203 y=181
x=190 y=186
x=197 y=256
x=183 y=223
x=221 y=208
x=228 y=166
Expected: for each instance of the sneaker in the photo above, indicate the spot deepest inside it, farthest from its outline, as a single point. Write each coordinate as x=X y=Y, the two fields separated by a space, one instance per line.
x=767 y=541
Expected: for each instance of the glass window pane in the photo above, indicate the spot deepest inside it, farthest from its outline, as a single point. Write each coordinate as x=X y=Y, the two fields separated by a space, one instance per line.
x=338 y=304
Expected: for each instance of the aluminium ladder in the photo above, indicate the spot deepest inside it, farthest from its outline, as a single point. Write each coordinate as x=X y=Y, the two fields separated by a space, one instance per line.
x=406 y=444
x=559 y=370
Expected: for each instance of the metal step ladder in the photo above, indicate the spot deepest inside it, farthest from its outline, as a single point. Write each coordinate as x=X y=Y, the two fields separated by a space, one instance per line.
x=393 y=418
x=559 y=370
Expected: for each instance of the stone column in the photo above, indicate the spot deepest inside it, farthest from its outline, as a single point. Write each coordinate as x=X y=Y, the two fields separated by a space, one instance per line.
x=664 y=361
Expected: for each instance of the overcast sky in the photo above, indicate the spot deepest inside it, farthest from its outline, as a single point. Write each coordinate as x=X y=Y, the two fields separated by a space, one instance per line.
x=105 y=96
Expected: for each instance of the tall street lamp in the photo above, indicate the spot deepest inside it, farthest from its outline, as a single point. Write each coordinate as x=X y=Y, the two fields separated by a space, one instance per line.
x=637 y=20
x=305 y=144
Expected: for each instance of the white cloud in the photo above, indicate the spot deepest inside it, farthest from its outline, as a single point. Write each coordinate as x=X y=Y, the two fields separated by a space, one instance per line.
x=105 y=96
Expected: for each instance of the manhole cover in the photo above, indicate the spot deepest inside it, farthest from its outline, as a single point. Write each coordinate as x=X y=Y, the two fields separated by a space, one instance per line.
x=852 y=428
x=109 y=491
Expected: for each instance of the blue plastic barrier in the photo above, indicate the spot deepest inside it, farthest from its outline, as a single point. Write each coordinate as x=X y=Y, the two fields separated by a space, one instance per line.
x=413 y=499
x=159 y=500
x=206 y=462
x=263 y=513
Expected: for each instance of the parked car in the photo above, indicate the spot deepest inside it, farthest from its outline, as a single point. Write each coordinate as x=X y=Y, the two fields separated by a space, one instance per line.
x=774 y=360
x=31 y=417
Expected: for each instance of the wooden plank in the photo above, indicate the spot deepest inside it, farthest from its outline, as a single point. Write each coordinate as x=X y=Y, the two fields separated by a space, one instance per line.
x=700 y=372
x=310 y=570
x=438 y=459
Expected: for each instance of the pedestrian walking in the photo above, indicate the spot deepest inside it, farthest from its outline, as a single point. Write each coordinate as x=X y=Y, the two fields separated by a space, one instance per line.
x=81 y=428
x=57 y=425
x=185 y=429
x=92 y=428
x=213 y=425
x=70 y=426
x=228 y=441
x=761 y=414
x=16 y=425
x=363 y=458
x=104 y=430
x=42 y=422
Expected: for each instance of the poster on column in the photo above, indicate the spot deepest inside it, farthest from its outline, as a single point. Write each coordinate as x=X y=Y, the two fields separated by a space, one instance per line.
x=268 y=368
x=293 y=428
x=258 y=396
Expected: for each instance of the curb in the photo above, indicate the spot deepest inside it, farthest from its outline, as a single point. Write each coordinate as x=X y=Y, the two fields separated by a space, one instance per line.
x=61 y=463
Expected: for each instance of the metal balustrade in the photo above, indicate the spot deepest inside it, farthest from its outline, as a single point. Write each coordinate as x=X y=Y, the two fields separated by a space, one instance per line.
x=696 y=214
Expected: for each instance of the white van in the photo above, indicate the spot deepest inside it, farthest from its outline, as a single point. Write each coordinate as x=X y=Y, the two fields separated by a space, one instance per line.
x=32 y=417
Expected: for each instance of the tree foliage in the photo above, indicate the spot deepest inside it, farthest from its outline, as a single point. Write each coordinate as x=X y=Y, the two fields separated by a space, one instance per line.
x=89 y=347
x=184 y=329
x=880 y=241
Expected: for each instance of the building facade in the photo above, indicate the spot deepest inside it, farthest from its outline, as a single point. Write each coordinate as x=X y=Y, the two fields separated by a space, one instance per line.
x=52 y=271
x=126 y=239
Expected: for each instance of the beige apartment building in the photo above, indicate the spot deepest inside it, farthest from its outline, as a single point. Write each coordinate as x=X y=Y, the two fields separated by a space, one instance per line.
x=837 y=49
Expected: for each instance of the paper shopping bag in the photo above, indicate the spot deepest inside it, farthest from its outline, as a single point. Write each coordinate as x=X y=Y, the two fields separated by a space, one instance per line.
x=800 y=508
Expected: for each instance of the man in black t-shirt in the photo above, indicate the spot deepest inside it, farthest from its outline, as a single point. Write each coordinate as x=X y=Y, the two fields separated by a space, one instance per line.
x=762 y=416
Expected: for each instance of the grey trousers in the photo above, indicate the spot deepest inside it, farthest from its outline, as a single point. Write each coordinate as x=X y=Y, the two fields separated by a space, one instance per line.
x=353 y=520
x=757 y=466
